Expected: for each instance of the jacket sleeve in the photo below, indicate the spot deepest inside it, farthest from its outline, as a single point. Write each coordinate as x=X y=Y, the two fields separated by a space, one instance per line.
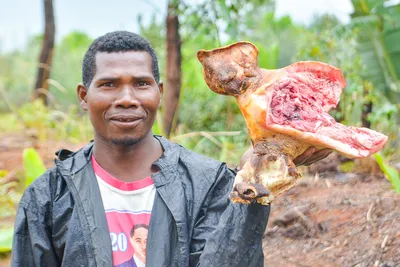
x=32 y=244
x=228 y=234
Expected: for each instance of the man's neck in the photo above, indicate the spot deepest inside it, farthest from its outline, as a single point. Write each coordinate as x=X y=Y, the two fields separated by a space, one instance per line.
x=128 y=163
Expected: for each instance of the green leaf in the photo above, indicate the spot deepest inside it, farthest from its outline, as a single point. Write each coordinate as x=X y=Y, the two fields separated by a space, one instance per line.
x=33 y=165
x=6 y=237
x=268 y=56
x=391 y=173
x=362 y=7
x=379 y=35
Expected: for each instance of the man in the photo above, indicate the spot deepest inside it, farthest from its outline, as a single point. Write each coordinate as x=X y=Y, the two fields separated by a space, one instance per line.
x=64 y=217
x=138 y=239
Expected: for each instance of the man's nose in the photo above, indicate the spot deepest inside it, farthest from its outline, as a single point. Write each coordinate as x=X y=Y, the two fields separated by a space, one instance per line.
x=127 y=98
x=143 y=245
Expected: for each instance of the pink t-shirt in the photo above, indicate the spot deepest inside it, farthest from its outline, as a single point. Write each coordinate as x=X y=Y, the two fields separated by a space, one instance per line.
x=128 y=210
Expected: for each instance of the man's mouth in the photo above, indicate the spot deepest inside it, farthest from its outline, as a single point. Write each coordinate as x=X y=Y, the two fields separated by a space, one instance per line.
x=125 y=119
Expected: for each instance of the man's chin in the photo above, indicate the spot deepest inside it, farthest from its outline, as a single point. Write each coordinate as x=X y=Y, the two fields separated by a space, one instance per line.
x=125 y=141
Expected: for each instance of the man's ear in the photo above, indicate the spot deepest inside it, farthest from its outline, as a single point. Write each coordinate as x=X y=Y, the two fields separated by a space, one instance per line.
x=81 y=91
x=161 y=88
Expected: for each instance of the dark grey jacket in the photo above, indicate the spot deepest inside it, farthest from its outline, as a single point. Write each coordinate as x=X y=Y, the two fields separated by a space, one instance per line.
x=61 y=219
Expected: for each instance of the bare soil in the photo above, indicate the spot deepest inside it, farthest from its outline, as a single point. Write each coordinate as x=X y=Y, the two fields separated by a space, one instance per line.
x=328 y=219
x=340 y=220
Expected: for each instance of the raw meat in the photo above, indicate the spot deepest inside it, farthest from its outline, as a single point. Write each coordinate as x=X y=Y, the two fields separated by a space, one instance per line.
x=286 y=112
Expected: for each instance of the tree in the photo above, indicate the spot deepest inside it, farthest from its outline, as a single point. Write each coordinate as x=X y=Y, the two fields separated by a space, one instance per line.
x=45 y=59
x=173 y=72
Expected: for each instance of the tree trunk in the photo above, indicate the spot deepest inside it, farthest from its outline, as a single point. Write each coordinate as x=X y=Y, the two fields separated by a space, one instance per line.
x=367 y=109
x=45 y=60
x=173 y=71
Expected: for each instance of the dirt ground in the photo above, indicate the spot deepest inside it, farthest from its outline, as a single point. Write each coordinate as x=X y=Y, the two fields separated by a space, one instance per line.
x=328 y=219
x=343 y=220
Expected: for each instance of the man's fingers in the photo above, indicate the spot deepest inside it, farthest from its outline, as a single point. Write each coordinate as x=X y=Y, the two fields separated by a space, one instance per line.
x=310 y=156
x=300 y=160
x=318 y=156
x=246 y=157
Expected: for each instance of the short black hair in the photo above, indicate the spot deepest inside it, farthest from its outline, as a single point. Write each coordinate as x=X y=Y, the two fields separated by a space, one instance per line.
x=137 y=226
x=118 y=41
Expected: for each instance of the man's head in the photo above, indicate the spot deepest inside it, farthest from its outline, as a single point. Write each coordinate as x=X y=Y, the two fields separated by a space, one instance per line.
x=139 y=240
x=121 y=90
x=118 y=41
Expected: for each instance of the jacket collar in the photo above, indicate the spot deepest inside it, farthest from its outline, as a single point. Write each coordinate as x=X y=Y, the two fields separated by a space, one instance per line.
x=170 y=156
x=70 y=163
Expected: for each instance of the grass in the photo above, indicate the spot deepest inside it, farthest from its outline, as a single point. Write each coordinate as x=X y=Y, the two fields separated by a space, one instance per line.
x=9 y=123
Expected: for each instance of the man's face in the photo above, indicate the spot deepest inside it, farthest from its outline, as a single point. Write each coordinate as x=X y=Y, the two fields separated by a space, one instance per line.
x=123 y=97
x=139 y=241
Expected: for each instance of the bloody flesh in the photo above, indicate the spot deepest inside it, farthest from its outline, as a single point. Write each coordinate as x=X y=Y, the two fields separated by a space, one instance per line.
x=300 y=101
x=286 y=112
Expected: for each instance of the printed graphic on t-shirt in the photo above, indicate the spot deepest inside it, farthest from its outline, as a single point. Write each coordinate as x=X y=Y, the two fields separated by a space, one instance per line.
x=128 y=232
x=128 y=211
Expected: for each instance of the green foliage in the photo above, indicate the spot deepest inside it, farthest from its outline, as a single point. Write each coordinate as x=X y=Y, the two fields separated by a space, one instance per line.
x=226 y=146
x=391 y=173
x=66 y=70
x=33 y=165
x=335 y=44
x=8 y=196
x=271 y=33
x=384 y=119
x=346 y=166
x=46 y=122
x=6 y=237
x=378 y=30
x=268 y=57
x=378 y=35
x=155 y=33
x=209 y=24
x=353 y=49
x=8 y=202
x=36 y=116
x=157 y=127
x=9 y=123
x=18 y=71
x=9 y=199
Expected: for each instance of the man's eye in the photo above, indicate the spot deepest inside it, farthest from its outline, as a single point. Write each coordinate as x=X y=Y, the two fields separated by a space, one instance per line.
x=108 y=84
x=141 y=84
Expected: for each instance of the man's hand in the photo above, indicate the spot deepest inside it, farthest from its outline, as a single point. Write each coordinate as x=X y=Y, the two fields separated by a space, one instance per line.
x=310 y=156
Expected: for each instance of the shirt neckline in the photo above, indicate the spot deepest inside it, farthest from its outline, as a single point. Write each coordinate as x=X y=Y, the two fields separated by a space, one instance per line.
x=116 y=183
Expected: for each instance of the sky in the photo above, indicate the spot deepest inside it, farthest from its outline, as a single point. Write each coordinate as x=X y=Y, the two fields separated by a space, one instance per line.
x=20 y=19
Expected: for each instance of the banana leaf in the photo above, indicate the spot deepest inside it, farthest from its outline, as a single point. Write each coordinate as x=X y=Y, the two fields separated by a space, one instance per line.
x=378 y=44
x=391 y=173
x=33 y=165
